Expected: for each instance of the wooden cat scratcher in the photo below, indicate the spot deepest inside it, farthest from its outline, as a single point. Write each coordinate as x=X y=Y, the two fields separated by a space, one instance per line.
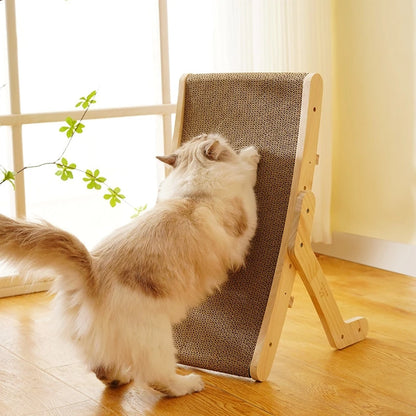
x=237 y=330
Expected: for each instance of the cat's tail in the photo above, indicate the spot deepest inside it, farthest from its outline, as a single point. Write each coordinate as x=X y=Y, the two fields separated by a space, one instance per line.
x=33 y=247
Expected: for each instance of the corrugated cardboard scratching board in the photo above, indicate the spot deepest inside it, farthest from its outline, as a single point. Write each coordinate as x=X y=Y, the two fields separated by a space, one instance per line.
x=237 y=330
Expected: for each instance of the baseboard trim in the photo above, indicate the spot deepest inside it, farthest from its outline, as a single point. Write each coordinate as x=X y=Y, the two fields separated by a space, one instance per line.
x=382 y=254
x=14 y=285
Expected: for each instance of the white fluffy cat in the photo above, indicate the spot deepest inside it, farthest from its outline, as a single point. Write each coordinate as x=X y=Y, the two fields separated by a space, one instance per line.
x=118 y=303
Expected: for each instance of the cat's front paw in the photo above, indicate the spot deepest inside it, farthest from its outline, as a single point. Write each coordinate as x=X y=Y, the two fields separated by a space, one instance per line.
x=194 y=383
x=250 y=154
x=180 y=385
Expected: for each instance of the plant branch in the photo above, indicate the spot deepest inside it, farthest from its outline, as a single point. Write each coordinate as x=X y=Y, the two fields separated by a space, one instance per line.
x=65 y=169
x=72 y=135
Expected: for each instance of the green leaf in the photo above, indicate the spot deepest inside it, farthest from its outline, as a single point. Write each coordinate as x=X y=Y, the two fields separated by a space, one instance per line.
x=70 y=121
x=70 y=128
x=87 y=101
x=93 y=179
x=94 y=185
x=114 y=196
x=9 y=176
x=64 y=170
x=79 y=127
x=91 y=94
x=139 y=210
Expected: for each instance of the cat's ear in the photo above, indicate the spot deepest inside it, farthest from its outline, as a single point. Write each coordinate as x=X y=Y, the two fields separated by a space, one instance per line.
x=217 y=151
x=169 y=160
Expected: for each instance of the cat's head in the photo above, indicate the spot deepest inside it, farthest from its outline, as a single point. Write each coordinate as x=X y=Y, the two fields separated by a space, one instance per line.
x=205 y=149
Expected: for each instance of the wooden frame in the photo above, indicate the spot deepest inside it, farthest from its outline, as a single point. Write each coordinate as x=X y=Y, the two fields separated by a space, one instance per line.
x=296 y=255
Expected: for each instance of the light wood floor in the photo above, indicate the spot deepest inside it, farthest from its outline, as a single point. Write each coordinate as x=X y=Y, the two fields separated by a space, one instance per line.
x=40 y=375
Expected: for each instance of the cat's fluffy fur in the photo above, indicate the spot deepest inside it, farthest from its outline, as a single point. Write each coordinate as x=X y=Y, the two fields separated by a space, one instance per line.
x=118 y=303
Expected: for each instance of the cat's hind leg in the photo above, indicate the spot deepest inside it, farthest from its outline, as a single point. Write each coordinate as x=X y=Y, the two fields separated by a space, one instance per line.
x=110 y=377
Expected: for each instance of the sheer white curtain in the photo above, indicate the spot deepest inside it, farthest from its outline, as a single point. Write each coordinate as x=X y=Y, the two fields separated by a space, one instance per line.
x=283 y=35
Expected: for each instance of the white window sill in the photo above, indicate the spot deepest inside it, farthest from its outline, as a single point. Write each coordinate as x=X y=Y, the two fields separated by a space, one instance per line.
x=11 y=284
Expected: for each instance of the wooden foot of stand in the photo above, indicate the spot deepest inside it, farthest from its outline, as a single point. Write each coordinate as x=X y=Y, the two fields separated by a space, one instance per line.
x=340 y=333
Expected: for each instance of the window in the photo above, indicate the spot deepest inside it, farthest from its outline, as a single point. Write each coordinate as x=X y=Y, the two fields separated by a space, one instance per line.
x=47 y=63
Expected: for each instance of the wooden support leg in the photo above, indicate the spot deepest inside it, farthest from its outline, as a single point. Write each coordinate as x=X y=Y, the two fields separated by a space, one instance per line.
x=340 y=333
